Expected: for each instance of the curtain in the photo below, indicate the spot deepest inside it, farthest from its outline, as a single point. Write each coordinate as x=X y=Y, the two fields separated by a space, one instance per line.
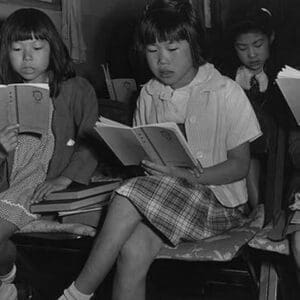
x=72 y=30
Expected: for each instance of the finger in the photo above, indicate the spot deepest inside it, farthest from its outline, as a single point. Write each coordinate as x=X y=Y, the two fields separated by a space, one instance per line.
x=12 y=128
x=39 y=192
x=199 y=166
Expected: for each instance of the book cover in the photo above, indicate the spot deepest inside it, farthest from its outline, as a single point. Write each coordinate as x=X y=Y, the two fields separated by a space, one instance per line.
x=91 y=215
x=162 y=143
x=288 y=80
x=27 y=105
x=69 y=204
x=79 y=191
x=296 y=217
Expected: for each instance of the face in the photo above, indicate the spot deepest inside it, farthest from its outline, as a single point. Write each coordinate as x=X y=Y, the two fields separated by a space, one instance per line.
x=171 y=62
x=30 y=59
x=253 y=50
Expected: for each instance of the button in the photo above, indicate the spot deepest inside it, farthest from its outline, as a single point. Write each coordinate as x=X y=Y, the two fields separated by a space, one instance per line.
x=193 y=119
x=199 y=154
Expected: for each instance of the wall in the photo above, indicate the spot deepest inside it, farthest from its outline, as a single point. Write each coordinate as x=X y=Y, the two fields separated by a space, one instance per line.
x=7 y=9
x=108 y=26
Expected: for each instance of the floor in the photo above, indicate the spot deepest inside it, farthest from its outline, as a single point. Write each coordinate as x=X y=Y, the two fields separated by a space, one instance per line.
x=50 y=269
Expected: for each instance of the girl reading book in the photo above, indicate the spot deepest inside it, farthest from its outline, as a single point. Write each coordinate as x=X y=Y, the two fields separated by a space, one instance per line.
x=173 y=204
x=31 y=167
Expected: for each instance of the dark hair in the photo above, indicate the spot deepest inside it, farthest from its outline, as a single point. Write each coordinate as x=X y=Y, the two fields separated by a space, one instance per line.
x=170 y=20
x=254 y=20
x=24 y=24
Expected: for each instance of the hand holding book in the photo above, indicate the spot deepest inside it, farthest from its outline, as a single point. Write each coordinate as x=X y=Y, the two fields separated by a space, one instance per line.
x=8 y=139
x=161 y=143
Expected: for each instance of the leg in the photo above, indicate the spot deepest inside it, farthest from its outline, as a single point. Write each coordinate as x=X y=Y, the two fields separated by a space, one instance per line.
x=133 y=264
x=7 y=248
x=295 y=245
x=120 y=222
x=252 y=181
x=7 y=259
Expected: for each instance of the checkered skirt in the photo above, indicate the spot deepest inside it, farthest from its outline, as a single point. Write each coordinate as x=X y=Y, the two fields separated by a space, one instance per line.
x=178 y=210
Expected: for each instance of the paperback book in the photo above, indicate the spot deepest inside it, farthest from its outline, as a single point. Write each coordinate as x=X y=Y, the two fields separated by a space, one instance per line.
x=79 y=191
x=288 y=80
x=76 y=197
x=27 y=105
x=162 y=143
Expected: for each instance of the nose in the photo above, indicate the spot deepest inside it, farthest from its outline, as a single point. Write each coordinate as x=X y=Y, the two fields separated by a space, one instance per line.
x=27 y=55
x=162 y=57
x=251 y=52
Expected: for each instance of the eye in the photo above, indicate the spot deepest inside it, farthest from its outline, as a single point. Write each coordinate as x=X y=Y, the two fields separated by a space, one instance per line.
x=151 y=49
x=16 y=47
x=171 y=49
x=258 y=44
x=241 y=47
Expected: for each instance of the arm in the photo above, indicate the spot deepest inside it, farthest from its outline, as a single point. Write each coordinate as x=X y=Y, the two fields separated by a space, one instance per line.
x=233 y=169
x=83 y=161
x=80 y=162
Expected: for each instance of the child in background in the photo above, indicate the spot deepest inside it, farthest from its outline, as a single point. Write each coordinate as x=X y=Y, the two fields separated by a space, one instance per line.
x=32 y=51
x=169 y=204
x=254 y=63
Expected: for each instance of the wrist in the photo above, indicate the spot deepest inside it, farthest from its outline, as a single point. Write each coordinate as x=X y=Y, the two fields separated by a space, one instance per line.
x=65 y=180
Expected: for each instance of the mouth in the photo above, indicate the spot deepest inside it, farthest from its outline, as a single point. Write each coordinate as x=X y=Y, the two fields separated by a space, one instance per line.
x=27 y=70
x=165 y=73
x=255 y=64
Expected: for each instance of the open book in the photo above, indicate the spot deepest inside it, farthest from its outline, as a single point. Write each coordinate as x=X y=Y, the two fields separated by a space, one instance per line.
x=27 y=105
x=288 y=80
x=162 y=143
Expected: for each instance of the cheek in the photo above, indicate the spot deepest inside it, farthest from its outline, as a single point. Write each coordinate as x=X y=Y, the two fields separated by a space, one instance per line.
x=14 y=59
x=151 y=62
x=266 y=52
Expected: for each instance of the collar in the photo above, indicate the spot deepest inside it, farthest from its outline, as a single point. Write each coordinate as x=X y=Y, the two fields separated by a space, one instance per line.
x=207 y=78
x=244 y=75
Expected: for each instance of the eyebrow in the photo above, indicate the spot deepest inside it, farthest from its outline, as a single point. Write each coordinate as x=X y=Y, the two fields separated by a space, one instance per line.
x=254 y=42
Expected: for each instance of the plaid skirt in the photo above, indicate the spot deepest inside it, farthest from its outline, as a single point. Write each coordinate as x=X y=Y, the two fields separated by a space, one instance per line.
x=180 y=211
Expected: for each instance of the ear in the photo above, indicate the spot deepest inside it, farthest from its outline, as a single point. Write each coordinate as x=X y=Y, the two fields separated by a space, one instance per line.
x=272 y=37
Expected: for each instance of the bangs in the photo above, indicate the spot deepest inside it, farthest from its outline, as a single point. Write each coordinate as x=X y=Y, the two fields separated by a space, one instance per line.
x=164 y=25
x=28 y=31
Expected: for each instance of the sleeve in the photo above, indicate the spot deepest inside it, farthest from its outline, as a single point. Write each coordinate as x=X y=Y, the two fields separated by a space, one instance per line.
x=83 y=161
x=242 y=123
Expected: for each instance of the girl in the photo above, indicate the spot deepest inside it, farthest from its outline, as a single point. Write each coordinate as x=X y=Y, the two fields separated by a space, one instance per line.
x=32 y=51
x=169 y=204
x=254 y=65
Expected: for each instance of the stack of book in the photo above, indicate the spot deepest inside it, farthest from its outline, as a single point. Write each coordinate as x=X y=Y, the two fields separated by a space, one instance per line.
x=78 y=203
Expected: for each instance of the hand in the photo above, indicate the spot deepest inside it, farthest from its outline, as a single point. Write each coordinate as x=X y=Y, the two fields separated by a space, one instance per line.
x=296 y=204
x=189 y=174
x=8 y=139
x=49 y=186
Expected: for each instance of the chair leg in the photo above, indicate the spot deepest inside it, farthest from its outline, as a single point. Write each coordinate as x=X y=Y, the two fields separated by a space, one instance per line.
x=268 y=288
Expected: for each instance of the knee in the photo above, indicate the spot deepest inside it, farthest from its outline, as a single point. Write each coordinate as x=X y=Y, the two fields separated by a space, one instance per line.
x=7 y=251
x=134 y=259
x=296 y=247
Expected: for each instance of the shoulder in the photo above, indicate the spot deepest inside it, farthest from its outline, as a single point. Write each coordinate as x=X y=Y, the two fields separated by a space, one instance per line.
x=151 y=87
x=78 y=83
x=77 y=89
